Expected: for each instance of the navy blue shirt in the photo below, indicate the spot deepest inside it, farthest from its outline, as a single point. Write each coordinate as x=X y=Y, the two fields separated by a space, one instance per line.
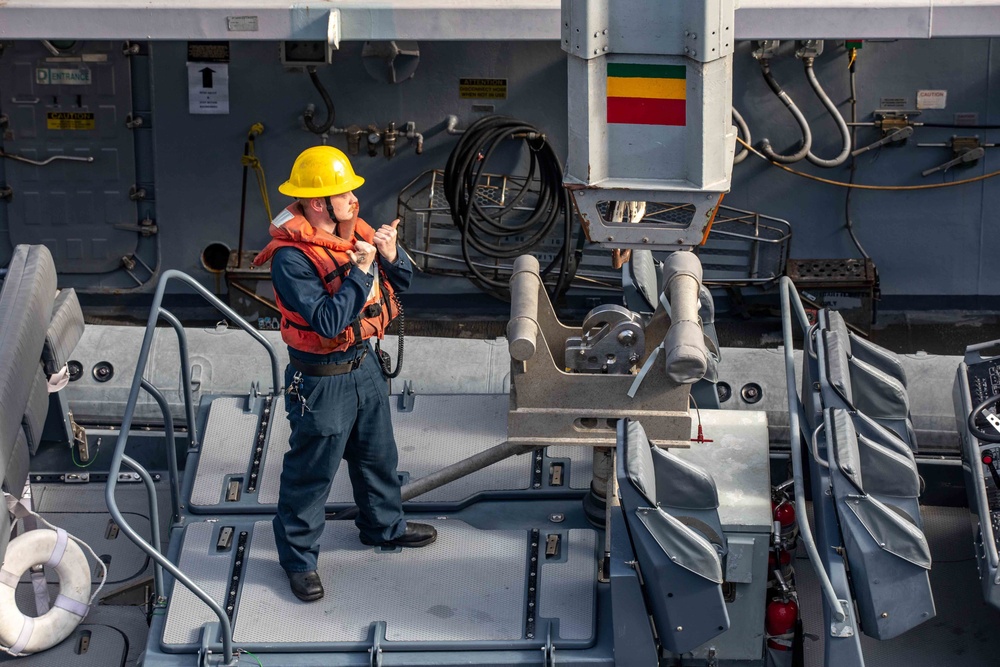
x=300 y=288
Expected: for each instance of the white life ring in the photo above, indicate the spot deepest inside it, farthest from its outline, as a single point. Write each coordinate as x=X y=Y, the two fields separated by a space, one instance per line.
x=25 y=634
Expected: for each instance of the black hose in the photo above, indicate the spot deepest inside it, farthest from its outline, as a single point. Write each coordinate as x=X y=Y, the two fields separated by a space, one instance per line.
x=330 y=113
x=765 y=145
x=506 y=233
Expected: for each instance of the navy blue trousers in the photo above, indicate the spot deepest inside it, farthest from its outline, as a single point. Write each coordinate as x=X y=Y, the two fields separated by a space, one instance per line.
x=347 y=417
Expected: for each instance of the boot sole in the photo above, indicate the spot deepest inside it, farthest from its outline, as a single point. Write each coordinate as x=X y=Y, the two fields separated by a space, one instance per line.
x=393 y=543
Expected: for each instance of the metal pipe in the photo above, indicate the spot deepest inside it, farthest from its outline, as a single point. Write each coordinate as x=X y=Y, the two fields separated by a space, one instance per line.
x=42 y=163
x=845 y=133
x=168 y=431
x=118 y=454
x=522 y=330
x=256 y=297
x=745 y=131
x=243 y=204
x=794 y=436
x=185 y=376
x=474 y=463
x=154 y=521
x=765 y=144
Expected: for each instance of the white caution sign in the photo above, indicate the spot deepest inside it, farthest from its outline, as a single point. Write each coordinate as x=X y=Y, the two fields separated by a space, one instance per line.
x=208 y=88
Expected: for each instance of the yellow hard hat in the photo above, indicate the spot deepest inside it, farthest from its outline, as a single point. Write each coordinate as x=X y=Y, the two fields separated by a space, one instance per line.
x=321 y=171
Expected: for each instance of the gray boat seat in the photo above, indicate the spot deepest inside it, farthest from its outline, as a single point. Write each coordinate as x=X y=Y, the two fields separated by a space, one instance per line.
x=865 y=350
x=36 y=410
x=671 y=510
x=64 y=331
x=875 y=488
x=25 y=312
x=863 y=386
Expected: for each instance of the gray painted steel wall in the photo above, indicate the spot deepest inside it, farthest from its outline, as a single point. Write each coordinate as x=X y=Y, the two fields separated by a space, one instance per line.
x=924 y=243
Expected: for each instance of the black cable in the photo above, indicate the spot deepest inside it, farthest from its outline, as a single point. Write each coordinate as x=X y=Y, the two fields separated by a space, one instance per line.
x=384 y=361
x=494 y=233
x=330 y=113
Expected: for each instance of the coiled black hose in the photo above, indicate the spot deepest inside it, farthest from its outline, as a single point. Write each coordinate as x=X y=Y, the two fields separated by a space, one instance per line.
x=492 y=233
x=330 y=112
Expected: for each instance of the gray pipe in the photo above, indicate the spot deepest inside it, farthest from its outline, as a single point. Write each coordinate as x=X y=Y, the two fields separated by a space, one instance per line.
x=765 y=145
x=154 y=521
x=185 y=376
x=522 y=330
x=745 y=131
x=474 y=463
x=168 y=431
x=117 y=456
x=845 y=133
x=794 y=435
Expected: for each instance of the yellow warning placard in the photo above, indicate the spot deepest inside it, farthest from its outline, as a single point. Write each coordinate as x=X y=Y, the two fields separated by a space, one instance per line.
x=482 y=89
x=59 y=120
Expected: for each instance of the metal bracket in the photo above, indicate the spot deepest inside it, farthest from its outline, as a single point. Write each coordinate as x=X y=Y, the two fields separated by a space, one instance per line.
x=145 y=228
x=130 y=262
x=843 y=629
x=809 y=48
x=407 y=398
x=549 y=650
x=765 y=49
x=585 y=28
x=375 y=652
x=6 y=194
x=130 y=49
x=132 y=122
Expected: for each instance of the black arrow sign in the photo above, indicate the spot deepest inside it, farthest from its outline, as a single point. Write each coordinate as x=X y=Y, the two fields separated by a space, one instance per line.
x=206 y=77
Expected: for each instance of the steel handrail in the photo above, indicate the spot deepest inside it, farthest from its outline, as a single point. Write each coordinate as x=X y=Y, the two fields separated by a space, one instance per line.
x=168 y=432
x=118 y=455
x=154 y=522
x=787 y=288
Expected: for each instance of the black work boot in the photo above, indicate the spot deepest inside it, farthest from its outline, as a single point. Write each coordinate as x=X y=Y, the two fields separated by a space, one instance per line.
x=306 y=585
x=416 y=535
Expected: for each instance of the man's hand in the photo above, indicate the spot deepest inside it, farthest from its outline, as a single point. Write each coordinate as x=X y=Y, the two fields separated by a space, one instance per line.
x=363 y=254
x=385 y=240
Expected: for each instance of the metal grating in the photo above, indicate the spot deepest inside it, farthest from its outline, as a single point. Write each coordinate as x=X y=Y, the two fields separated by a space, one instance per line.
x=440 y=430
x=674 y=215
x=467 y=586
x=745 y=248
x=210 y=570
x=225 y=449
x=581 y=463
x=567 y=589
x=850 y=271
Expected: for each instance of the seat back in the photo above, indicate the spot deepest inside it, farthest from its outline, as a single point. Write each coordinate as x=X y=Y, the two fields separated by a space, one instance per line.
x=877 y=389
x=667 y=504
x=875 y=486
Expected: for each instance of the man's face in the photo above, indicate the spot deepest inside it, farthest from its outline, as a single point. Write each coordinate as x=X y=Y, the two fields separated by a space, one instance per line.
x=345 y=207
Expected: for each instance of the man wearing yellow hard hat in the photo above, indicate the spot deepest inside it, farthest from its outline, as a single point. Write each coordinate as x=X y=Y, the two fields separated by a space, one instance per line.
x=335 y=280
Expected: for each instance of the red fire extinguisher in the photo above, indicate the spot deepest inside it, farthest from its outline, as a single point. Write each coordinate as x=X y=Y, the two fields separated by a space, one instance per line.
x=779 y=622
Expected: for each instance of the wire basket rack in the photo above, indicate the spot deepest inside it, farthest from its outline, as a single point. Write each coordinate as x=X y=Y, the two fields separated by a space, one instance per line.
x=745 y=248
x=435 y=243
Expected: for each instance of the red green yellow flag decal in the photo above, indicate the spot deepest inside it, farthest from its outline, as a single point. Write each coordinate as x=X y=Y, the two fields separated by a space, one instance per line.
x=647 y=94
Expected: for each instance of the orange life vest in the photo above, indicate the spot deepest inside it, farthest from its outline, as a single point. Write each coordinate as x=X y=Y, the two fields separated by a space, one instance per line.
x=328 y=253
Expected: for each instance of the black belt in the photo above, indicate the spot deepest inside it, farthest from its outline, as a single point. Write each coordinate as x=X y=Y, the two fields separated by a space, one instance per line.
x=325 y=370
